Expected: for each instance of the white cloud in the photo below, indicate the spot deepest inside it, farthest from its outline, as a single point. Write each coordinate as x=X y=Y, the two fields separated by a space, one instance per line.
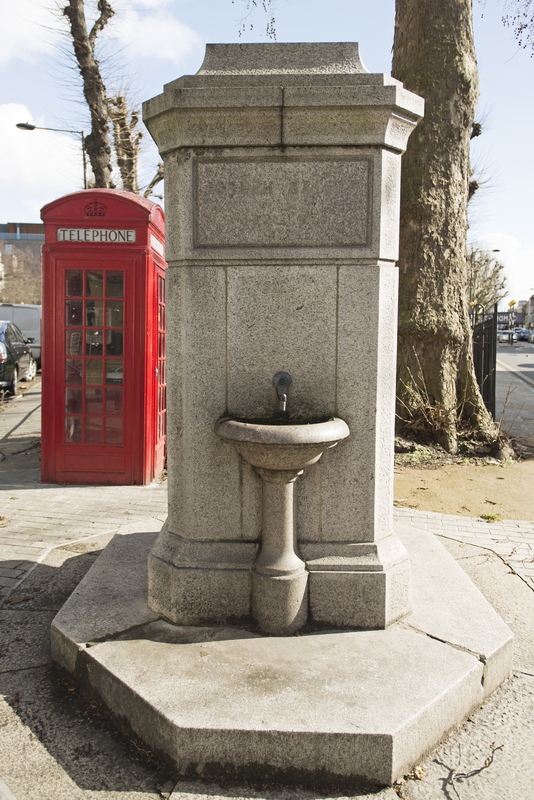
x=146 y=29
x=26 y=30
x=155 y=33
x=518 y=262
x=38 y=166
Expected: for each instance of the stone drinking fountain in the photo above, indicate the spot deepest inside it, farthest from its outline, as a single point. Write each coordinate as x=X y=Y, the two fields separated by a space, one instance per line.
x=279 y=453
x=282 y=184
x=282 y=179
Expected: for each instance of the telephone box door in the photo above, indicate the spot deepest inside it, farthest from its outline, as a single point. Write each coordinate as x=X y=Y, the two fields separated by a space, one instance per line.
x=97 y=344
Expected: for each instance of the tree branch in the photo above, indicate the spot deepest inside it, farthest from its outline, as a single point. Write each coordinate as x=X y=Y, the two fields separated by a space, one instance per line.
x=155 y=180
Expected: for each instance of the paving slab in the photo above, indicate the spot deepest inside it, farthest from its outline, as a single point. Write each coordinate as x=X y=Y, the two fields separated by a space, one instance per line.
x=326 y=706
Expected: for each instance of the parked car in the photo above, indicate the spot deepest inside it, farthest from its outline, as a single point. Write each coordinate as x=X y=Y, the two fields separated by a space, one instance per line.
x=27 y=318
x=16 y=360
x=506 y=336
x=522 y=334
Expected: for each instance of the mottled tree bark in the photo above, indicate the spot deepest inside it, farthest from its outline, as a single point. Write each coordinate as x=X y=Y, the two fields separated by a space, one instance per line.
x=94 y=90
x=105 y=112
x=433 y=55
x=126 y=140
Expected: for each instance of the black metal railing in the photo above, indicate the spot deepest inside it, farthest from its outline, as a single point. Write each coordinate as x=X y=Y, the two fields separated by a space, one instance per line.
x=485 y=357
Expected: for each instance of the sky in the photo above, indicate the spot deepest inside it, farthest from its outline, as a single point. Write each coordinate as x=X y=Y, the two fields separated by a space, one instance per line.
x=152 y=42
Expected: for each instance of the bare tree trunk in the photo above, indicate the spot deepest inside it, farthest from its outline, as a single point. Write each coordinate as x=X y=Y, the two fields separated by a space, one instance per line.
x=434 y=56
x=97 y=142
x=126 y=140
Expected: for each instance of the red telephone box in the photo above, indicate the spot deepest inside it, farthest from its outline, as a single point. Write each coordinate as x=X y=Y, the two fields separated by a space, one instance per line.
x=103 y=355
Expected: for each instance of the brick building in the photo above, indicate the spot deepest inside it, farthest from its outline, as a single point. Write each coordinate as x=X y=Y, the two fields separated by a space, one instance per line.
x=20 y=262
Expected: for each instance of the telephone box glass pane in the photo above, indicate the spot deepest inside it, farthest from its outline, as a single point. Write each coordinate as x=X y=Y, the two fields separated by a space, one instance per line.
x=94 y=285
x=93 y=372
x=93 y=430
x=73 y=401
x=115 y=284
x=73 y=370
x=74 y=283
x=114 y=373
x=114 y=402
x=73 y=343
x=113 y=430
x=73 y=429
x=93 y=401
x=94 y=313
x=114 y=343
x=74 y=312
x=93 y=343
x=114 y=314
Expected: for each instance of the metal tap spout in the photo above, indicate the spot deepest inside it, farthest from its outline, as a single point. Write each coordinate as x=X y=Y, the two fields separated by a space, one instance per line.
x=282 y=382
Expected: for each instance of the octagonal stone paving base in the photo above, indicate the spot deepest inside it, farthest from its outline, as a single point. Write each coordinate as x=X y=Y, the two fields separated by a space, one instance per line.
x=338 y=707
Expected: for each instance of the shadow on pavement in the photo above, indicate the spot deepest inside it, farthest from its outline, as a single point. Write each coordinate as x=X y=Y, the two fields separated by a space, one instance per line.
x=42 y=709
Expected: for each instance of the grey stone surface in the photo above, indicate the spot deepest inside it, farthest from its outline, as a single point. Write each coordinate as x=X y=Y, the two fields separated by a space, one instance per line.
x=122 y=572
x=5 y=792
x=464 y=766
x=336 y=104
x=311 y=212
x=366 y=703
x=194 y=790
x=22 y=640
x=439 y=612
x=74 y=754
x=282 y=211
x=310 y=59
x=189 y=595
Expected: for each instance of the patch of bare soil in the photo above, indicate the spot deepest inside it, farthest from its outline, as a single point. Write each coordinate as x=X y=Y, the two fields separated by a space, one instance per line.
x=473 y=483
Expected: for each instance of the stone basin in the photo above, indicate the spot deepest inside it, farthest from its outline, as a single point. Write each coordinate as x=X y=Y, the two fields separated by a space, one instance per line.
x=282 y=446
x=280 y=453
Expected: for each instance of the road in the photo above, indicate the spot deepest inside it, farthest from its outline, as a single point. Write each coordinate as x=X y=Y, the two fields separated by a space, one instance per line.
x=515 y=390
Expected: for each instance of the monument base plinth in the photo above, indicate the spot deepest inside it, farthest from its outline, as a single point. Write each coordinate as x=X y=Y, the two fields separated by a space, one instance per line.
x=334 y=706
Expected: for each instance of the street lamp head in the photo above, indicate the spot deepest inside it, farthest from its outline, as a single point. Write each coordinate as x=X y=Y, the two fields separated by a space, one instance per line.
x=27 y=126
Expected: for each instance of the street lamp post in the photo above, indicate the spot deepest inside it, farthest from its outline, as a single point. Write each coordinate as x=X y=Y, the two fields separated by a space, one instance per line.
x=26 y=126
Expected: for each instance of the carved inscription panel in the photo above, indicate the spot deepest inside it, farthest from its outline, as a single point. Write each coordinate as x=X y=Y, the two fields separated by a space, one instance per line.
x=283 y=202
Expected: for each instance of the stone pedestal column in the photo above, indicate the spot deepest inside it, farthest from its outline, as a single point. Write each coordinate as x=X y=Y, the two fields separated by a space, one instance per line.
x=279 y=579
x=282 y=173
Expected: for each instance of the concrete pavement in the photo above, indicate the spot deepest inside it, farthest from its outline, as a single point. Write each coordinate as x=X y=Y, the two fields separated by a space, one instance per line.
x=36 y=518
x=55 y=743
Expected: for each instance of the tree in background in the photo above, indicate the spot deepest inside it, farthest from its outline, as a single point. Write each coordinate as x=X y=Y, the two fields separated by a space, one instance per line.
x=268 y=7
x=519 y=15
x=434 y=56
x=486 y=281
x=114 y=124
